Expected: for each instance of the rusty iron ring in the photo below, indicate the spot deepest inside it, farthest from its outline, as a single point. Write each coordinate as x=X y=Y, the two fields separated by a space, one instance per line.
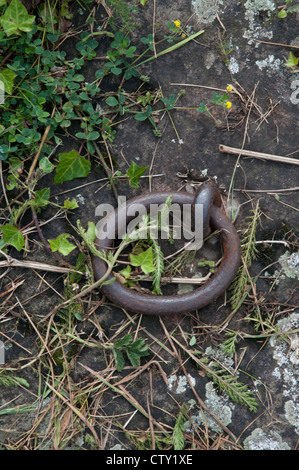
x=148 y=304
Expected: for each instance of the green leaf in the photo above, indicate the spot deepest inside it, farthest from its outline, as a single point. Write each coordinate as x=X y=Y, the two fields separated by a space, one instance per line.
x=112 y=101
x=41 y=198
x=140 y=117
x=292 y=60
x=12 y=236
x=202 y=108
x=61 y=244
x=71 y=165
x=126 y=272
x=70 y=204
x=134 y=350
x=94 y=135
x=134 y=173
x=122 y=342
x=144 y=260
x=46 y=165
x=3 y=152
x=16 y=19
x=282 y=14
x=91 y=232
x=116 y=70
x=119 y=359
x=7 y=78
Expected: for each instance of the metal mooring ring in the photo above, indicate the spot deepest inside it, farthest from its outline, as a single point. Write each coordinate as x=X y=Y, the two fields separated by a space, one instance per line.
x=214 y=218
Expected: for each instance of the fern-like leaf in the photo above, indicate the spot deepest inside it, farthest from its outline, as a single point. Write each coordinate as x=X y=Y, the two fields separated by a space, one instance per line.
x=238 y=391
x=240 y=286
x=159 y=265
x=178 y=436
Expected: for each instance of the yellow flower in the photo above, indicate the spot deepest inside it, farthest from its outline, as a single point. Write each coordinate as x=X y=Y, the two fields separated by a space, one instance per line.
x=229 y=88
x=177 y=23
x=228 y=105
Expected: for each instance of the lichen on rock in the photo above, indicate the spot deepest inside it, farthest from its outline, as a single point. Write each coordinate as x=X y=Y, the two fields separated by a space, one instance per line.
x=253 y=9
x=287 y=358
x=206 y=10
x=261 y=440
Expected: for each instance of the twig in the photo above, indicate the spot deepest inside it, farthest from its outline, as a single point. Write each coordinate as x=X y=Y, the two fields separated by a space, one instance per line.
x=154 y=20
x=176 y=280
x=276 y=44
x=107 y=170
x=35 y=160
x=251 y=103
x=3 y=188
x=263 y=156
x=16 y=263
x=198 y=86
x=270 y=191
x=122 y=177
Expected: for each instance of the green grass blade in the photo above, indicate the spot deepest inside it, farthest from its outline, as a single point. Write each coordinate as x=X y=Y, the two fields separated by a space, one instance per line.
x=172 y=48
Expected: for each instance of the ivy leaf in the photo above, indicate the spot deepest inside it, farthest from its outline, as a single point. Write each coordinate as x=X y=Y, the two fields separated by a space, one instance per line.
x=126 y=272
x=41 y=198
x=144 y=260
x=12 y=236
x=292 y=60
x=61 y=244
x=71 y=165
x=45 y=165
x=16 y=19
x=282 y=14
x=91 y=232
x=7 y=78
x=134 y=173
x=70 y=204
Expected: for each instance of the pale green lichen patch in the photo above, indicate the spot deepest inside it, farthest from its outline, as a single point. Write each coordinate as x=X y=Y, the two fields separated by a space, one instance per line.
x=290 y=264
x=286 y=354
x=179 y=384
x=261 y=440
x=269 y=63
x=253 y=10
x=220 y=405
x=206 y=10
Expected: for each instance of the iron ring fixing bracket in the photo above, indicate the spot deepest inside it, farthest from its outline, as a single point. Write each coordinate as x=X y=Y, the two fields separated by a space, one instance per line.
x=214 y=218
